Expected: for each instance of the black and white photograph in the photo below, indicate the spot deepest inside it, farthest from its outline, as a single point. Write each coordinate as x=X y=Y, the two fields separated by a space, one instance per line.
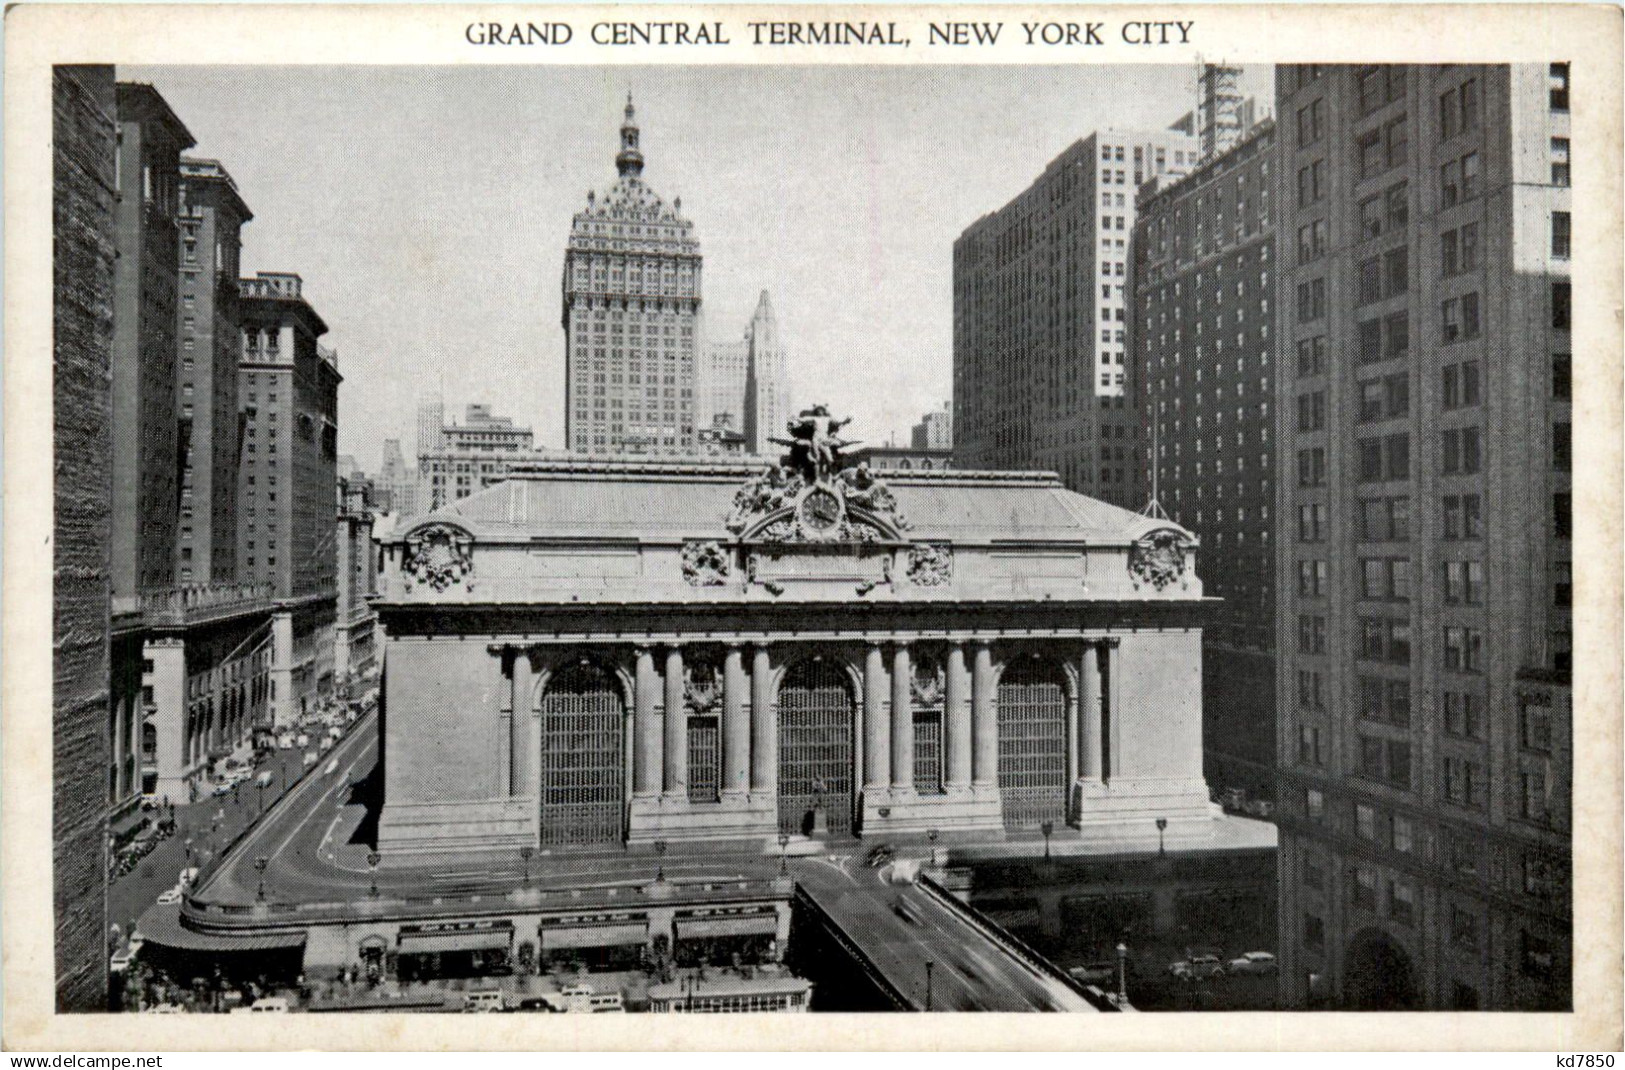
x=788 y=537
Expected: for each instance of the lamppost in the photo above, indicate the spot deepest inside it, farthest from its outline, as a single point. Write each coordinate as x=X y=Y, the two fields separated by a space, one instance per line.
x=928 y=965
x=784 y=846
x=1122 y=975
x=260 y=784
x=524 y=854
x=373 y=858
x=660 y=867
x=188 y=852
x=931 y=834
x=1162 y=823
x=1046 y=828
x=260 y=863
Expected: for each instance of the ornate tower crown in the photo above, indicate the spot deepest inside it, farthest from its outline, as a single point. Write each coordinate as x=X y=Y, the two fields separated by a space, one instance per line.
x=629 y=162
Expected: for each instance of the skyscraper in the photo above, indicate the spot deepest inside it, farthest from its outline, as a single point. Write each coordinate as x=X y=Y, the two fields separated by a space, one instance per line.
x=767 y=386
x=1424 y=638
x=1041 y=372
x=148 y=503
x=286 y=492
x=631 y=317
x=212 y=216
x=431 y=422
x=84 y=144
x=1204 y=354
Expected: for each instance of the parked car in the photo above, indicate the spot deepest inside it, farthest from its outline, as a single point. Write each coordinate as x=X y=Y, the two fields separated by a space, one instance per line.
x=311 y=758
x=302 y=740
x=1095 y=973
x=186 y=878
x=224 y=787
x=880 y=854
x=1259 y=808
x=1197 y=968
x=170 y=895
x=1259 y=963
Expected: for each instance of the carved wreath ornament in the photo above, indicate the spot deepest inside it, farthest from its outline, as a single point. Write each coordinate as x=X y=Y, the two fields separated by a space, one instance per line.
x=1158 y=558
x=930 y=566
x=705 y=564
x=438 y=555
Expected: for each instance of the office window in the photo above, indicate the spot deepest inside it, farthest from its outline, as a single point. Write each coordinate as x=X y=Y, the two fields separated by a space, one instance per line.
x=1460 y=385
x=1562 y=384
x=1370 y=341
x=1561 y=236
x=1558 y=87
x=1463 y=714
x=1363 y=888
x=1402 y=901
x=1402 y=835
x=1365 y=822
x=1535 y=724
x=1309 y=123
x=1312 y=355
x=1464 y=782
x=1560 y=161
x=1463 y=649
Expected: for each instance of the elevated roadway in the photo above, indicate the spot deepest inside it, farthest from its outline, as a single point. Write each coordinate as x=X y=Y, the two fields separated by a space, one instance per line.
x=894 y=929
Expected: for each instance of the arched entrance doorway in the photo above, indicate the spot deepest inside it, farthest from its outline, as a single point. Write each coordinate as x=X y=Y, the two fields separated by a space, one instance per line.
x=1032 y=743
x=1377 y=975
x=816 y=715
x=583 y=760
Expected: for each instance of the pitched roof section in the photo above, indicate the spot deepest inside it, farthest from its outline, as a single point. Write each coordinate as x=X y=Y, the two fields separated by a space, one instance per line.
x=652 y=501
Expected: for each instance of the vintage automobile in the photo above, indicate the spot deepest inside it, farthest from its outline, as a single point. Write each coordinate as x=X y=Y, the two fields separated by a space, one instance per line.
x=1258 y=963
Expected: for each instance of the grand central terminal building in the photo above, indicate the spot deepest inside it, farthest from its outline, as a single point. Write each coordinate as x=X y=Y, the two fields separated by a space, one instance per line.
x=634 y=651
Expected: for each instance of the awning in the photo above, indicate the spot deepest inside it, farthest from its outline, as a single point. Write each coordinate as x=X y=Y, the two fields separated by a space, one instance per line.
x=562 y=936
x=736 y=925
x=475 y=940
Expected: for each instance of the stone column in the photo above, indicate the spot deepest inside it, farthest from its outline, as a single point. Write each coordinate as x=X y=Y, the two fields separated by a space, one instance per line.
x=956 y=734
x=526 y=747
x=902 y=720
x=505 y=661
x=1111 y=717
x=735 y=725
x=764 y=736
x=1089 y=738
x=284 y=704
x=676 y=765
x=984 y=719
x=876 y=728
x=646 y=756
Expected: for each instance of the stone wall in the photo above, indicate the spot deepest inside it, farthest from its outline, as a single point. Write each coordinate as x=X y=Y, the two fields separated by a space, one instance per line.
x=83 y=139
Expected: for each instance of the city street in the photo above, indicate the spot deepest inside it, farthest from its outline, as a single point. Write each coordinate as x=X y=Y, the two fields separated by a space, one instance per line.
x=209 y=824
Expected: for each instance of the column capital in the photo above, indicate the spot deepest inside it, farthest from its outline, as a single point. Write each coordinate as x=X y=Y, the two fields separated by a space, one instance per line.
x=1110 y=642
x=733 y=644
x=642 y=646
x=873 y=643
x=982 y=641
x=761 y=644
x=902 y=644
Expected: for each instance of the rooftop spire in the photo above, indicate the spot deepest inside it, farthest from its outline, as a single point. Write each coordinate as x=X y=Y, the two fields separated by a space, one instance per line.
x=629 y=162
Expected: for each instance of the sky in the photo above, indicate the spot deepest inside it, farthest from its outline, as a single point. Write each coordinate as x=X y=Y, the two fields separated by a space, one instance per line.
x=427 y=209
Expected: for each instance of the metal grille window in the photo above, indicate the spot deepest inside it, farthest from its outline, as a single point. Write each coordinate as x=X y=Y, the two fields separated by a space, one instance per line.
x=583 y=757
x=1032 y=744
x=816 y=715
x=704 y=760
x=928 y=753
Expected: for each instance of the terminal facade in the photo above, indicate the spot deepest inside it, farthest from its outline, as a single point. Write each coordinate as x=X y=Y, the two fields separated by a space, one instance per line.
x=610 y=651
